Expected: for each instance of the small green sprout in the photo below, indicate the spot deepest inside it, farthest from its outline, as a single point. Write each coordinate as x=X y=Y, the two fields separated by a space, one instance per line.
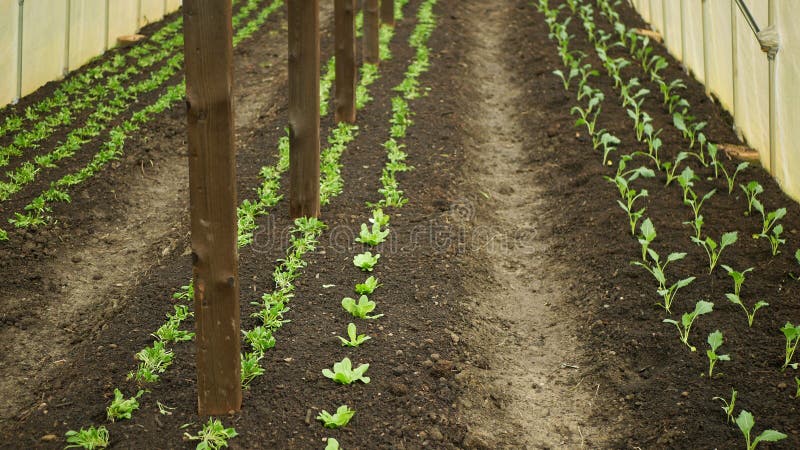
x=738 y=277
x=715 y=340
x=792 y=335
x=89 y=439
x=122 y=408
x=657 y=269
x=355 y=338
x=797 y=389
x=775 y=239
x=745 y=422
x=332 y=444
x=372 y=237
x=751 y=190
x=633 y=215
x=731 y=178
x=648 y=234
x=668 y=294
x=714 y=250
x=213 y=436
x=260 y=339
x=735 y=299
x=685 y=325
x=768 y=219
x=251 y=367
x=368 y=286
x=343 y=372
x=729 y=405
x=154 y=360
x=379 y=218
x=360 y=308
x=366 y=261
x=337 y=420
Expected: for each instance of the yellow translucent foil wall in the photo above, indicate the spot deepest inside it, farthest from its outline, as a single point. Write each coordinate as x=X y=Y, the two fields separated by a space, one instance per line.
x=737 y=71
x=59 y=36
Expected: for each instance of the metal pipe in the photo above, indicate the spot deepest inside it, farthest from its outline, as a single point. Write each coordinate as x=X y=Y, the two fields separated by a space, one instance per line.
x=773 y=114
x=734 y=66
x=19 y=49
x=748 y=16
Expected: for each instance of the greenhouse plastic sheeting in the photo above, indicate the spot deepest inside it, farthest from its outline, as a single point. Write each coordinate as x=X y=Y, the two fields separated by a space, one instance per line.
x=61 y=35
x=738 y=74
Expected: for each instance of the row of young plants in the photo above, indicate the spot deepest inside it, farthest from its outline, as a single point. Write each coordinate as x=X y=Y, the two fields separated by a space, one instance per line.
x=119 y=99
x=376 y=230
x=156 y=359
x=632 y=96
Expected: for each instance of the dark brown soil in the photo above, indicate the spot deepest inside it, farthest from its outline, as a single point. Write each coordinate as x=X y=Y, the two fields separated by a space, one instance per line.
x=647 y=388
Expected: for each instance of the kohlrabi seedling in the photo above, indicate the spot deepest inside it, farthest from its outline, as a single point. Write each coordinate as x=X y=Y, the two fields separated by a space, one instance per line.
x=745 y=423
x=343 y=372
x=648 y=234
x=355 y=339
x=368 y=286
x=715 y=340
x=751 y=190
x=735 y=299
x=668 y=293
x=768 y=219
x=714 y=250
x=728 y=405
x=121 y=407
x=337 y=420
x=738 y=277
x=366 y=261
x=685 y=325
x=792 y=335
x=360 y=308
x=657 y=269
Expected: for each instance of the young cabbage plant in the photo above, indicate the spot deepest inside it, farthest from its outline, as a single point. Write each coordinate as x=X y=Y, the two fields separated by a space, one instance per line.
x=121 y=407
x=368 y=286
x=693 y=202
x=668 y=90
x=689 y=130
x=366 y=261
x=686 y=181
x=714 y=250
x=90 y=438
x=668 y=294
x=731 y=178
x=685 y=325
x=213 y=435
x=657 y=269
x=738 y=277
x=566 y=79
x=344 y=373
x=745 y=422
x=735 y=299
x=768 y=219
x=648 y=234
x=792 y=335
x=609 y=143
x=671 y=167
x=631 y=195
x=751 y=190
x=715 y=340
x=775 y=239
x=355 y=339
x=696 y=224
x=360 y=308
x=338 y=419
x=728 y=405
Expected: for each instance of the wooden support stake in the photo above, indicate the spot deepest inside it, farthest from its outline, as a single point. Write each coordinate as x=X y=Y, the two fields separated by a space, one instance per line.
x=387 y=12
x=212 y=187
x=371 y=41
x=345 y=37
x=303 y=20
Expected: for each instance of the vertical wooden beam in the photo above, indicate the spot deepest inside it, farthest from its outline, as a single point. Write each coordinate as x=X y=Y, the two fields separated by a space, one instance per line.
x=212 y=186
x=387 y=12
x=371 y=41
x=345 y=39
x=303 y=19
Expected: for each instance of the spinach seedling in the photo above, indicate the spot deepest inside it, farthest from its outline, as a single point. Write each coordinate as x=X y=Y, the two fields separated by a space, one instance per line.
x=366 y=261
x=355 y=338
x=648 y=233
x=360 y=308
x=685 y=325
x=368 y=286
x=372 y=237
x=792 y=335
x=121 y=407
x=751 y=190
x=715 y=340
x=90 y=438
x=714 y=250
x=728 y=408
x=213 y=436
x=343 y=372
x=339 y=419
x=745 y=422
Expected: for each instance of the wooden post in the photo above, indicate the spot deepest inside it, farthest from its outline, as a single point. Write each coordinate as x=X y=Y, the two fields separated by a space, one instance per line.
x=387 y=12
x=345 y=37
x=303 y=19
x=371 y=43
x=212 y=196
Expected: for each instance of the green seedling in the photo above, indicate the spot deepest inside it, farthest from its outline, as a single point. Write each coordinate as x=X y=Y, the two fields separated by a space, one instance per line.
x=260 y=339
x=165 y=410
x=657 y=269
x=751 y=190
x=792 y=335
x=735 y=299
x=372 y=237
x=685 y=325
x=631 y=195
x=714 y=250
x=121 y=407
x=624 y=177
x=379 y=218
x=697 y=225
x=715 y=340
x=690 y=131
x=745 y=422
x=796 y=258
x=728 y=405
x=668 y=294
x=272 y=316
x=566 y=79
x=251 y=367
x=668 y=90
x=169 y=332
x=730 y=178
x=366 y=261
x=768 y=219
x=797 y=387
x=609 y=143
x=213 y=436
x=343 y=372
x=368 y=286
x=686 y=181
x=89 y=439
x=648 y=234
x=332 y=444
x=355 y=339
x=337 y=420
x=154 y=360
x=738 y=277
x=693 y=202
x=360 y=308
x=775 y=239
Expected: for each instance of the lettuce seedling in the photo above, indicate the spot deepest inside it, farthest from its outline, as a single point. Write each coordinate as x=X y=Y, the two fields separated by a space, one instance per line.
x=372 y=237
x=648 y=233
x=714 y=250
x=355 y=338
x=728 y=408
x=379 y=218
x=361 y=308
x=715 y=340
x=260 y=339
x=366 y=261
x=213 y=436
x=154 y=360
x=343 y=372
x=368 y=286
x=745 y=423
x=251 y=367
x=337 y=420
x=685 y=325
x=332 y=444
x=751 y=190
x=90 y=438
x=792 y=335
x=121 y=407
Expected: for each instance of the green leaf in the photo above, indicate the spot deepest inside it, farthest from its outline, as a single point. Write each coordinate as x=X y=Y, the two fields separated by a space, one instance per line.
x=729 y=238
x=715 y=340
x=745 y=422
x=769 y=436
